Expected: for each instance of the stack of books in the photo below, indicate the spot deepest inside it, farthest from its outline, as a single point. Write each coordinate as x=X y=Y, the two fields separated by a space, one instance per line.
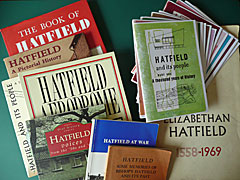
x=68 y=105
x=125 y=150
x=179 y=50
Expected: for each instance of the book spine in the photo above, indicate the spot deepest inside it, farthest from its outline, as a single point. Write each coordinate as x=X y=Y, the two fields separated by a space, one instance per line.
x=89 y=160
x=109 y=164
x=19 y=114
x=197 y=40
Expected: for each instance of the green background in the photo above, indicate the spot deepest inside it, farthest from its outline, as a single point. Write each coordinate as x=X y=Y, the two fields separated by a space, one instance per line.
x=113 y=18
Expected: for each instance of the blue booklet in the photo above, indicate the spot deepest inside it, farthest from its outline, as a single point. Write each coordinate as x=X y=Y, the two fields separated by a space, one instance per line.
x=107 y=132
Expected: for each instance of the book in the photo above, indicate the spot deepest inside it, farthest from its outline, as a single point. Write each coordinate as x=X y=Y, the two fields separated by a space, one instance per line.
x=16 y=106
x=64 y=50
x=61 y=23
x=107 y=132
x=75 y=85
x=139 y=163
x=206 y=145
x=60 y=142
x=170 y=68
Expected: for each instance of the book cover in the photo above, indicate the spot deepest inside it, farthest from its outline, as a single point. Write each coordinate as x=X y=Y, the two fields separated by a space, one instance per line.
x=107 y=132
x=138 y=163
x=64 y=50
x=19 y=114
x=206 y=145
x=170 y=68
x=74 y=85
x=66 y=21
x=60 y=142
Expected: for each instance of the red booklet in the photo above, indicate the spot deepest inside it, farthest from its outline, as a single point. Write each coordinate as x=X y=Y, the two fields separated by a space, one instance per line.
x=64 y=22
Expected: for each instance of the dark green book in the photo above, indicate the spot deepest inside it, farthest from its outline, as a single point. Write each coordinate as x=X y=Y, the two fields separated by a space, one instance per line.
x=60 y=143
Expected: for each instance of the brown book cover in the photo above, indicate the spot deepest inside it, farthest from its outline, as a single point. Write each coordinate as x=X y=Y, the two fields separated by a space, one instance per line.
x=140 y=163
x=64 y=50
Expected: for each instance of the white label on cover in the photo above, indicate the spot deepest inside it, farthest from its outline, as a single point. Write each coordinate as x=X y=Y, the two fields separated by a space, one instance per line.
x=160 y=44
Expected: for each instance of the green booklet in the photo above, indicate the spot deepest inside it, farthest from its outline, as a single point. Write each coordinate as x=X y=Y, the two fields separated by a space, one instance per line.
x=170 y=68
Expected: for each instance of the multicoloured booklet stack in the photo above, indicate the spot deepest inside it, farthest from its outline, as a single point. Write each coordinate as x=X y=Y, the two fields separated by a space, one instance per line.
x=57 y=66
x=178 y=51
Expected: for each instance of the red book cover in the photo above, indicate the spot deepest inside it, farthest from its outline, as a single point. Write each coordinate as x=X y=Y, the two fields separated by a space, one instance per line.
x=172 y=7
x=64 y=22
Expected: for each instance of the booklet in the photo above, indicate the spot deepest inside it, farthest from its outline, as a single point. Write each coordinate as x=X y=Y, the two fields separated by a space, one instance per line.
x=170 y=68
x=127 y=162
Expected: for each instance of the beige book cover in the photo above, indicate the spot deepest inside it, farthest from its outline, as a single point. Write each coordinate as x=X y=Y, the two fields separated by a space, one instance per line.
x=206 y=146
x=138 y=163
x=71 y=48
x=75 y=85
x=19 y=115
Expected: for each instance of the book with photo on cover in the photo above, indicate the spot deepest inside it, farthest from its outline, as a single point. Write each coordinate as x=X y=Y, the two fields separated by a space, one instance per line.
x=170 y=68
x=58 y=24
x=107 y=132
x=75 y=85
x=60 y=143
